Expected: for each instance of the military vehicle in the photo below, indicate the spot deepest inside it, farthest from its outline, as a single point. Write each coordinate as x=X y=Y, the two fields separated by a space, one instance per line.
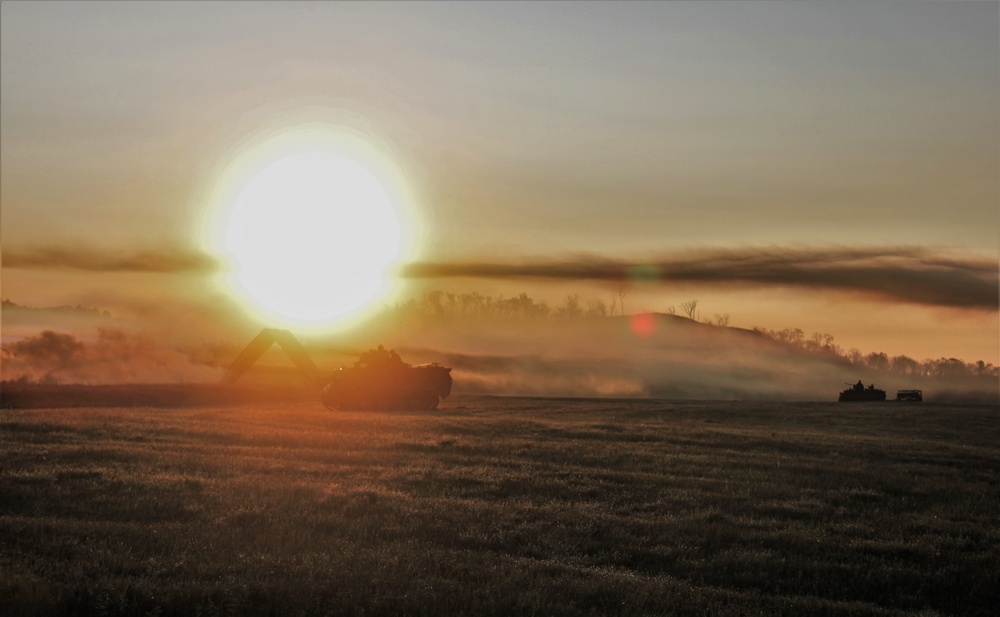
x=381 y=380
x=378 y=380
x=858 y=392
x=912 y=396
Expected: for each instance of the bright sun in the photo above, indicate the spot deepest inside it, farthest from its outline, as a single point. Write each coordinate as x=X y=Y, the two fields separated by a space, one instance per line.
x=310 y=231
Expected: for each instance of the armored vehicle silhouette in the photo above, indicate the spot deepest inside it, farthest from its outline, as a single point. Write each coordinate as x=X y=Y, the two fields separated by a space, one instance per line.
x=378 y=380
x=381 y=380
x=858 y=392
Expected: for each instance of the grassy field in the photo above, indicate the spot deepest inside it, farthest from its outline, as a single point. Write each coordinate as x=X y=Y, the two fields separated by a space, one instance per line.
x=501 y=506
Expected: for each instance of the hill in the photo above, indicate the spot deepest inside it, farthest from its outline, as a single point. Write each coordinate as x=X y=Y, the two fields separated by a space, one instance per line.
x=522 y=350
x=660 y=356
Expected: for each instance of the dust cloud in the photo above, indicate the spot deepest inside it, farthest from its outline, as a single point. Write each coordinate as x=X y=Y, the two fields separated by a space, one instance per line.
x=606 y=357
x=115 y=356
x=538 y=352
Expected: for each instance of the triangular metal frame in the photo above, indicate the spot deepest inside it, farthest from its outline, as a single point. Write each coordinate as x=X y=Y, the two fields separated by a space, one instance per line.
x=261 y=343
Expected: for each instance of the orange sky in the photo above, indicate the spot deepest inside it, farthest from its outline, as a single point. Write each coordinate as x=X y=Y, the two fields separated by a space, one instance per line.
x=524 y=134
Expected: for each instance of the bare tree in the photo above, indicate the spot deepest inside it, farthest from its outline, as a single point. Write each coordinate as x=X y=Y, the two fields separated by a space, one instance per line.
x=571 y=308
x=621 y=293
x=905 y=365
x=877 y=361
x=689 y=308
x=671 y=310
x=597 y=308
x=722 y=320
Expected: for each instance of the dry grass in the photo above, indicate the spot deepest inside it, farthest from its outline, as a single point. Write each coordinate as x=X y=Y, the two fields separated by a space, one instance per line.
x=496 y=506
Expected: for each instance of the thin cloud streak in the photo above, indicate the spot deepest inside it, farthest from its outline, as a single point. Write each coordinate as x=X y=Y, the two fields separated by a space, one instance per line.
x=904 y=274
x=900 y=274
x=162 y=261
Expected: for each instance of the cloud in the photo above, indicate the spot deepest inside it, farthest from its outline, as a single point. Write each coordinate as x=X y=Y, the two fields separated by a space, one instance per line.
x=902 y=274
x=899 y=274
x=81 y=258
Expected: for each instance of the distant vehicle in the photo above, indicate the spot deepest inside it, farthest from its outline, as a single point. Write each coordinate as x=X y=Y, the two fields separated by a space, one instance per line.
x=916 y=396
x=381 y=380
x=858 y=392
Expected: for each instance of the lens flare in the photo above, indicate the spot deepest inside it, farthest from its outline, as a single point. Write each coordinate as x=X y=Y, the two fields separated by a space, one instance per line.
x=642 y=324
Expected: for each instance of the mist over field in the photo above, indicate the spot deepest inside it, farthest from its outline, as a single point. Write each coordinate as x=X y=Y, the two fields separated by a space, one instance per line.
x=503 y=347
x=673 y=357
x=499 y=309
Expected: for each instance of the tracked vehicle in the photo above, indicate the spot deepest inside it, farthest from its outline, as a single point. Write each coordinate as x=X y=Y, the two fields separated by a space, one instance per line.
x=858 y=392
x=381 y=380
x=378 y=380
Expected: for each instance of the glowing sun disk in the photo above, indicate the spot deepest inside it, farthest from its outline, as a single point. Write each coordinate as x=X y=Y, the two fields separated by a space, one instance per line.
x=310 y=237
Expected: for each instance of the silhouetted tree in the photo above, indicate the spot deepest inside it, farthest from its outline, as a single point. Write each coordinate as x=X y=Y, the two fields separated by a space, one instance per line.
x=945 y=369
x=904 y=365
x=689 y=308
x=855 y=357
x=571 y=307
x=985 y=369
x=621 y=293
x=597 y=308
x=877 y=361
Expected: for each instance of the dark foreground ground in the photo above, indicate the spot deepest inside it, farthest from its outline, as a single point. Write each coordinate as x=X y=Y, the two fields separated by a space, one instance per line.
x=499 y=506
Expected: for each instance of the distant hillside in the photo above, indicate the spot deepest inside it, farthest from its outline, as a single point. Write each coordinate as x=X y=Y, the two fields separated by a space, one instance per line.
x=65 y=309
x=656 y=355
x=515 y=346
x=20 y=320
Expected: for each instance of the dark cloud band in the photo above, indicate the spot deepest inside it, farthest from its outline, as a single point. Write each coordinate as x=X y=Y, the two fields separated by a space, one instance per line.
x=153 y=261
x=901 y=274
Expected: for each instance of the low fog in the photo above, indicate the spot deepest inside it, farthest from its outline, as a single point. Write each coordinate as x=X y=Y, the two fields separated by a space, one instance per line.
x=517 y=347
x=659 y=356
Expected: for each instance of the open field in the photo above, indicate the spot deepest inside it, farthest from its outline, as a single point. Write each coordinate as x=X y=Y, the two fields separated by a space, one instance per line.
x=501 y=506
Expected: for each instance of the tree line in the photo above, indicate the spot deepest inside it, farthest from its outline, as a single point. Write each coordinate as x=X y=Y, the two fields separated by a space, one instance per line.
x=439 y=304
x=880 y=362
x=445 y=305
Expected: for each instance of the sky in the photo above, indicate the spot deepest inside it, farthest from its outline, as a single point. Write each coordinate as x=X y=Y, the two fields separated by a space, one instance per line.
x=828 y=166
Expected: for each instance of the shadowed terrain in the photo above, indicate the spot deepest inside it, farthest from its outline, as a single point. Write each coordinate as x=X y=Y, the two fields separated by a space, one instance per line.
x=499 y=506
x=502 y=346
